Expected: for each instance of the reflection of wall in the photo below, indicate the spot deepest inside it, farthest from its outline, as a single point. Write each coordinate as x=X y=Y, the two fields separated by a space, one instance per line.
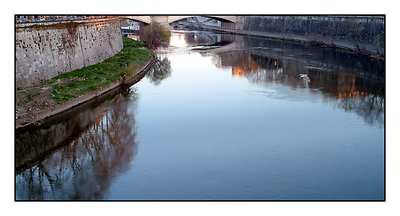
x=327 y=59
x=340 y=85
x=349 y=87
x=278 y=71
x=253 y=65
x=320 y=59
x=261 y=69
x=101 y=146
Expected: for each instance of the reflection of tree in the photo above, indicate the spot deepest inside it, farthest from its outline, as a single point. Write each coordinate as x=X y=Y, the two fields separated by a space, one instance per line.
x=329 y=59
x=370 y=107
x=85 y=167
x=159 y=70
x=360 y=89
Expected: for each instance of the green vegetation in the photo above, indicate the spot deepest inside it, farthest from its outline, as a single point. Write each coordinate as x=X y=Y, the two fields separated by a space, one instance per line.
x=32 y=100
x=78 y=82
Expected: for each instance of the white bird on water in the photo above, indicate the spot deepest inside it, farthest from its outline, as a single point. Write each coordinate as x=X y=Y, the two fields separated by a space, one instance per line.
x=305 y=77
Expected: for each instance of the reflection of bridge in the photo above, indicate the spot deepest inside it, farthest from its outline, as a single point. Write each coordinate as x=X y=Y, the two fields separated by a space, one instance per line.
x=228 y=22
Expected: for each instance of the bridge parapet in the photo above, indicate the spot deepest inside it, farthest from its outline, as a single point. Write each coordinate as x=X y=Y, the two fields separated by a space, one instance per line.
x=143 y=19
x=47 y=19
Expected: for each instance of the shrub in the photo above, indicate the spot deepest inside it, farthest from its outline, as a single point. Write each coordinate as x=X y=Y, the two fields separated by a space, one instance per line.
x=155 y=36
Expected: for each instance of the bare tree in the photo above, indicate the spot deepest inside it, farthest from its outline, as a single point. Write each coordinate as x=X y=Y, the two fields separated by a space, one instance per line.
x=155 y=36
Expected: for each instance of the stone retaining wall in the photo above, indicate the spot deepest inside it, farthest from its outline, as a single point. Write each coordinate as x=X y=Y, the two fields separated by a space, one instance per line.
x=47 y=49
x=362 y=33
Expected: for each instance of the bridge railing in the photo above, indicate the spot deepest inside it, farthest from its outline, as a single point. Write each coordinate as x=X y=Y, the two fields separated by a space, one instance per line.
x=43 y=19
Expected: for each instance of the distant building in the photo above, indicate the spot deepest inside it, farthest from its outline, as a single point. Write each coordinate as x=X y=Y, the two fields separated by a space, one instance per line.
x=130 y=27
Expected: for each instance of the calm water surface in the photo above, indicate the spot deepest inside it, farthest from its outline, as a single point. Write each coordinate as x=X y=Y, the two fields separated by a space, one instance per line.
x=248 y=119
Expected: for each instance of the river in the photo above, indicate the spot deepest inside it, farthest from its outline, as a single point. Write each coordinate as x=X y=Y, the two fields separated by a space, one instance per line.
x=220 y=117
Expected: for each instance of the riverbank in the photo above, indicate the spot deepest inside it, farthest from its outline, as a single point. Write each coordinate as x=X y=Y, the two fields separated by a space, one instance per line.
x=361 y=48
x=38 y=102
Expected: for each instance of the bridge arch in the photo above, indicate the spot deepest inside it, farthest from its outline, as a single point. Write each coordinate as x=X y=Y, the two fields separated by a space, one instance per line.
x=227 y=22
x=230 y=19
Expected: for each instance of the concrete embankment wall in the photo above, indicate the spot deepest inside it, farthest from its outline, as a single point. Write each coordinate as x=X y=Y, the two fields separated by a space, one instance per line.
x=359 y=33
x=47 y=49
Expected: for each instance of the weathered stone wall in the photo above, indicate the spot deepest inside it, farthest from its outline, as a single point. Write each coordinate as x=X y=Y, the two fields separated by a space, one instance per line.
x=355 y=32
x=48 y=49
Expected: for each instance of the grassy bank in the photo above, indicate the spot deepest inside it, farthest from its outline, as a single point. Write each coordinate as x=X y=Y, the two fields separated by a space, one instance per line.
x=78 y=82
x=33 y=99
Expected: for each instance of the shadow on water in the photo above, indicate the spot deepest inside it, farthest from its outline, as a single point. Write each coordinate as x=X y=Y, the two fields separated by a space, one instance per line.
x=352 y=82
x=88 y=149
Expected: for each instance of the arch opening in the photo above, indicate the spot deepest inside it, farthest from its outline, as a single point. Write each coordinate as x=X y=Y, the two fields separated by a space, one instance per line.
x=200 y=22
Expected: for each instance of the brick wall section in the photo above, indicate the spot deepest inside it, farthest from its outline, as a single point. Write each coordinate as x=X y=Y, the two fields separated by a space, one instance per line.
x=48 y=49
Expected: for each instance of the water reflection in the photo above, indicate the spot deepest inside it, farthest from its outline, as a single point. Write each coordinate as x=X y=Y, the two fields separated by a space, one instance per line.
x=208 y=39
x=100 y=143
x=159 y=70
x=222 y=114
x=353 y=83
x=196 y=38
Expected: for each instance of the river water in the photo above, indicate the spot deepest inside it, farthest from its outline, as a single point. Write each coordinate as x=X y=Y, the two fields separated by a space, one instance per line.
x=220 y=117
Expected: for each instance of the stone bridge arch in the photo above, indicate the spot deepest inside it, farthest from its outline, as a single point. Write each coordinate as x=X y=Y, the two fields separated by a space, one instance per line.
x=227 y=22
x=230 y=19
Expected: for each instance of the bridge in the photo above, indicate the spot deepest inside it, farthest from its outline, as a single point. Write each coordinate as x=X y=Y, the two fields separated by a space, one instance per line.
x=227 y=22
